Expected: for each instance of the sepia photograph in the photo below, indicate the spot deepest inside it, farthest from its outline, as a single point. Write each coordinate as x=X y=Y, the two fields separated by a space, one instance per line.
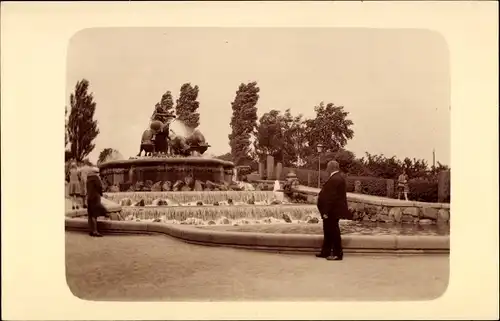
x=257 y=164
x=238 y=160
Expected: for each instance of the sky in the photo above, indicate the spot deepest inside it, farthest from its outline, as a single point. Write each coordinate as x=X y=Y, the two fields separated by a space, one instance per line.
x=395 y=83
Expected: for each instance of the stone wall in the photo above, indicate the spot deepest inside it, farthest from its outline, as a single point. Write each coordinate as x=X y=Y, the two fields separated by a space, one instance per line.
x=399 y=214
x=367 y=208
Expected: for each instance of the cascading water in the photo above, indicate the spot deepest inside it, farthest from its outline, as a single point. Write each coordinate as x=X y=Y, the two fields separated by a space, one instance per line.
x=177 y=127
x=278 y=194
x=213 y=213
x=206 y=197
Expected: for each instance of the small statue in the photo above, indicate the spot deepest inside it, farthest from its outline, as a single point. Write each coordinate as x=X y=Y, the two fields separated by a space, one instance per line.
x=189 y=181
x=177 y=186
x=167 y=186
x=198 y=186
x=148 y=184
x=156 y=187
x=138 y=186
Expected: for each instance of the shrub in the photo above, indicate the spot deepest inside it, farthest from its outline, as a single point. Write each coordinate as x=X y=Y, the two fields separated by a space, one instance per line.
x=423 y=190
x=370 y=185
x=304 y=174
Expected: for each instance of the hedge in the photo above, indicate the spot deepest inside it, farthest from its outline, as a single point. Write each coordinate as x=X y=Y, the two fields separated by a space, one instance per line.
x=423 y=190
x=304 y=174
x=369 y=185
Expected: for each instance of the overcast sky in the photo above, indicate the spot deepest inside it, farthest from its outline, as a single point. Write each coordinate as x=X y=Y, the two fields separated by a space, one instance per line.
x=395 y=83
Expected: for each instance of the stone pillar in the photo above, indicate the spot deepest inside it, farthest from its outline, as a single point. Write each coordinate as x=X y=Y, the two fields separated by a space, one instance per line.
x=390 y=188
x=221 y=175
x=235 y=175
x=262 y=170
x=444 y=186
x=228 y=175
x=140 y=174
x=115 y=176
x=279 y=170
x=270 y=167
x=120 y=177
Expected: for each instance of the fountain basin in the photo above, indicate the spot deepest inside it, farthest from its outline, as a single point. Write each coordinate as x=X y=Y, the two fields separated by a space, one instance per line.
x=361 y=212
x=111 y=208
x=161 y=169
x=301 y=243
x=346 y=228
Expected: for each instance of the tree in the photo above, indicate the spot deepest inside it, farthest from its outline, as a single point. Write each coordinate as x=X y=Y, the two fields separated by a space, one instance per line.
x=331 y=128
x=167 y=102
x=105 y=153
x=187 y=106
x=295 y=140
x=416 y=168
x=82 y=128
x=346 y=159
x=281 y=136
x=108 y=154
x=381 y=166
x=243 y=122
x=225 y=157
x=269 y=135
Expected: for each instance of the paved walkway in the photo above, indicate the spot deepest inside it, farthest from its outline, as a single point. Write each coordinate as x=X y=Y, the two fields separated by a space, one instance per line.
x=142 y=268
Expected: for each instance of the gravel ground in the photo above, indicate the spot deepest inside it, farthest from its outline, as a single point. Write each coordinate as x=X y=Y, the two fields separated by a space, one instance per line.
x=157 y=268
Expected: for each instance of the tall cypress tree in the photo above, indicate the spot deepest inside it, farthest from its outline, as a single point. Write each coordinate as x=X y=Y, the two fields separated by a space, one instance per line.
x=187 y=106
x=167 y=102
x=243 y=122
x=82 y=128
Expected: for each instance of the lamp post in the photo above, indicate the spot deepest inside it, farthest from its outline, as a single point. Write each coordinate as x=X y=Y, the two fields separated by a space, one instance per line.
x=319 y=148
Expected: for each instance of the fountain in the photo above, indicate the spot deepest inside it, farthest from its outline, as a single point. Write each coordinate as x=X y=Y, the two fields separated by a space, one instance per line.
x=172 y=162
x=175 y=183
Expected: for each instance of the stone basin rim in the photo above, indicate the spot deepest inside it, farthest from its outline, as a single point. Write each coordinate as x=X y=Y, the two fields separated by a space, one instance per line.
x=166 y=161
x=208 y=205
x=272 y=241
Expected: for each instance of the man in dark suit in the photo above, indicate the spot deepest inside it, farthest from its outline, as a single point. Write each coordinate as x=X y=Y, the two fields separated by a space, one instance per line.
x=94 y=205
x=332 y=205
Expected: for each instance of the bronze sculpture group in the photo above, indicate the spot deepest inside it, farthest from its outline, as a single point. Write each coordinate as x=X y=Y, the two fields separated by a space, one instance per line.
x=160 y=140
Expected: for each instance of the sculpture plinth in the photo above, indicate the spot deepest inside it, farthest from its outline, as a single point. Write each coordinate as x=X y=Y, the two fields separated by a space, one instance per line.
x=124 y=174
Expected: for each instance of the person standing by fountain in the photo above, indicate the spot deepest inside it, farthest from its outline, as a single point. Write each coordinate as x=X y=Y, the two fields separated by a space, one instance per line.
x=74 y=184
x=332 y=205
x=94 y=205
x=403 y=185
